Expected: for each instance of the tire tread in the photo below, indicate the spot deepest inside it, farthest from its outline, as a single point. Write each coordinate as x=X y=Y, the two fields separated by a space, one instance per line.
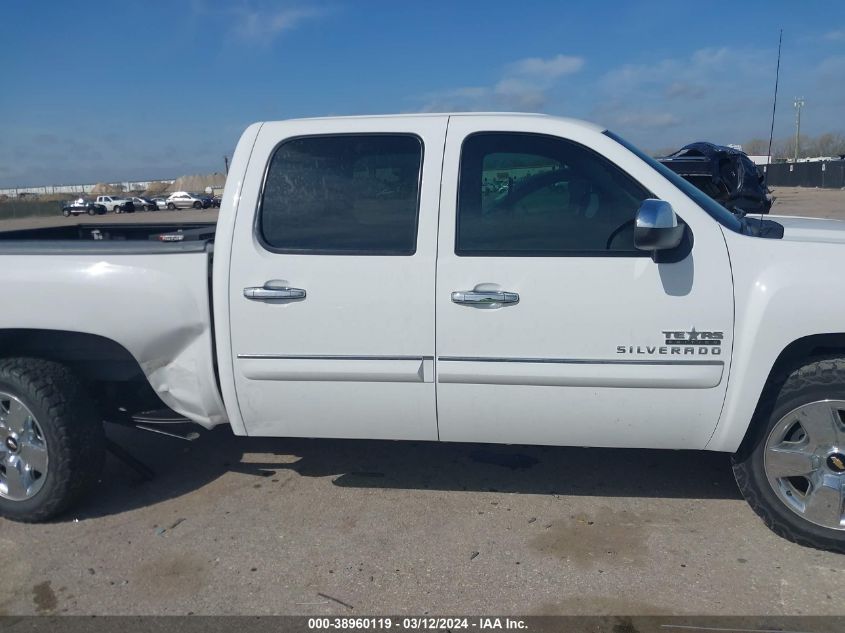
x=77 y=442
x=826 y=373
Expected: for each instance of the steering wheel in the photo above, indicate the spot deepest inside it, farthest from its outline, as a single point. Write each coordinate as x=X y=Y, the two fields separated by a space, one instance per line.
x=617 y=231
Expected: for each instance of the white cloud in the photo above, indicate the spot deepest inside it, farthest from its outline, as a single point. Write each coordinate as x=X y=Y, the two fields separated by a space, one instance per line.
x=551 y=68
x=264 y=25
x=831 y=68
x=682 y=89
x=647 y=119
x=718 y=93
x=711 y=56
x=523 y=85
x=517 y=94
x=835 y=36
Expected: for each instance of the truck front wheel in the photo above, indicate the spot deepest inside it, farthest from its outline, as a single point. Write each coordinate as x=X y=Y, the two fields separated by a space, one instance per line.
x=791 y=467
x=52 y=442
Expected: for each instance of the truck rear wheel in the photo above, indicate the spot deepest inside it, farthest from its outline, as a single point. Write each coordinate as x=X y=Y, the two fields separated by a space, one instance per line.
x=791 y=467
x=52 y=442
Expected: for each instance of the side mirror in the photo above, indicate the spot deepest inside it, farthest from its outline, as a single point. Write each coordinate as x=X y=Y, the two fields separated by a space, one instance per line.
x=657 y=227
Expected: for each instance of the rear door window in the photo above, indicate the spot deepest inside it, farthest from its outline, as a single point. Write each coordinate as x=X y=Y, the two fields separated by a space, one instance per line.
x=344 y=194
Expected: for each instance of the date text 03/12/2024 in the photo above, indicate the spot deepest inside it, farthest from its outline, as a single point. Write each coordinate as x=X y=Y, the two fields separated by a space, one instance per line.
x=417 y=623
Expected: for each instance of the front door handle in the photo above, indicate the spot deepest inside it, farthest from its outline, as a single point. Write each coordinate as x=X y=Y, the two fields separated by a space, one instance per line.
x=272 y=292
x=484 y=297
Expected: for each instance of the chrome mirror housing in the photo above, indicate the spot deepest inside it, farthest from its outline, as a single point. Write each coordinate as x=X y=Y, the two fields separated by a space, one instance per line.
x=657 y=227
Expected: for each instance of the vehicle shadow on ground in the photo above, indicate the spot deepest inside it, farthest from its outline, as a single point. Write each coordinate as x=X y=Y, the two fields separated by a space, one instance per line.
x=181 y=467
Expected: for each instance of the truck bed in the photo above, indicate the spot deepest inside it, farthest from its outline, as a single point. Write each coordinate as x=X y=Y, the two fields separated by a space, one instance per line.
x=110 y=238
x=142 y=286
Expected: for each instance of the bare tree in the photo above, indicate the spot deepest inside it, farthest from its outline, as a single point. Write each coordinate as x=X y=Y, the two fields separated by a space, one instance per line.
x=756 y=147
x=828 y=144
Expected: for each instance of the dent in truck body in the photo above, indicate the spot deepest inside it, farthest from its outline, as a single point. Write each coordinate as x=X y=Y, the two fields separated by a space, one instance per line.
x=162 y=318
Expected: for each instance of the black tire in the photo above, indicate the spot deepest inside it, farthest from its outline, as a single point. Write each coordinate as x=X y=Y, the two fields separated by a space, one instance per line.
x=171 y=206
x=197 y=205
x=117 y=209
x=71 y=428
x=66 y=213
x=820 y=379
x=91 y=211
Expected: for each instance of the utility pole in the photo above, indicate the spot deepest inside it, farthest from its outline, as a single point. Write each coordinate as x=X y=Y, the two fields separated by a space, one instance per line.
x=226 y=161
x=798 y=104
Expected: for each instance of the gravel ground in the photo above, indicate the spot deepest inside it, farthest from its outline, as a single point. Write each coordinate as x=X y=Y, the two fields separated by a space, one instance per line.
x=820 y=203
x=242 y=525
x=267 y=526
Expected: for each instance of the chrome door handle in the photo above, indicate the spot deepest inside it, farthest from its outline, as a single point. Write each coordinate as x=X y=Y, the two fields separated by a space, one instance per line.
x=270 y=292
x=484 y=297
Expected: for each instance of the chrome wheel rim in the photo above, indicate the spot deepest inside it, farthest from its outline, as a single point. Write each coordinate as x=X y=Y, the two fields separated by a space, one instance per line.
x=805 y=462
x=23 y=451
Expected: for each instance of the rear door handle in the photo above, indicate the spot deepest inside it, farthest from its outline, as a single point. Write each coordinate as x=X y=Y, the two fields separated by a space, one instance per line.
x=484 y=297
x=272 y=292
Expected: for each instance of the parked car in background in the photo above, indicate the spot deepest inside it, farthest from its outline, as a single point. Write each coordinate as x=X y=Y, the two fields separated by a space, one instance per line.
x=80 y=206
x=215 y=201
x=143 y=204
x=185 y=200
x=161 y=203
x=724 y=173
x=112 y=203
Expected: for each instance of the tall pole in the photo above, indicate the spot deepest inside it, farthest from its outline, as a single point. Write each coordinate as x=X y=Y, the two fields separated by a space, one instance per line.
x=774 y=107
x=226 y=161
x=799 y=103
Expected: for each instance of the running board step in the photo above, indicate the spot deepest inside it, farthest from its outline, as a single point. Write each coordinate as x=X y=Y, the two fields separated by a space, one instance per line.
x=188 y=437
x=159 y=416
x=153 y=421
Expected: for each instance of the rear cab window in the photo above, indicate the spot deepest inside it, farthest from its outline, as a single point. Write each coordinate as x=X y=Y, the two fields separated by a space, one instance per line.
x=355 y=194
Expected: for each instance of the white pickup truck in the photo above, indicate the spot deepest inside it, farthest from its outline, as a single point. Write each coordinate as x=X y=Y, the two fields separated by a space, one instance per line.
x=464 y=278
x=114 y=204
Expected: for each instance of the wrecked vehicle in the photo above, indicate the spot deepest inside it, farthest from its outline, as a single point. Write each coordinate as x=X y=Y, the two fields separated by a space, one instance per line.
x=725 y=174
x=366 y=283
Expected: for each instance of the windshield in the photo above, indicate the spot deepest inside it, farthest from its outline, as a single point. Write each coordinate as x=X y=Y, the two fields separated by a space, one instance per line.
x=713 y=208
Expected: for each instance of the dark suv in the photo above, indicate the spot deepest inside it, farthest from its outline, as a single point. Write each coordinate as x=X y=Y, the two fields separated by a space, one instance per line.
x=725 y=174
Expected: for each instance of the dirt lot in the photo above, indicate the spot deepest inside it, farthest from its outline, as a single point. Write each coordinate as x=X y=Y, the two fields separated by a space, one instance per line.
x=240 y=525
x=243 y=525
x=820 y=203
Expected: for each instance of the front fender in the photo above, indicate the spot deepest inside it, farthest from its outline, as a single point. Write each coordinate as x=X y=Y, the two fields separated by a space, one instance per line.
x=785 y=291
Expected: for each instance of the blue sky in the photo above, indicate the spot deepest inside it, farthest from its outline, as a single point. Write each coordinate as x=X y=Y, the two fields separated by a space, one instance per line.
x=112 y=90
